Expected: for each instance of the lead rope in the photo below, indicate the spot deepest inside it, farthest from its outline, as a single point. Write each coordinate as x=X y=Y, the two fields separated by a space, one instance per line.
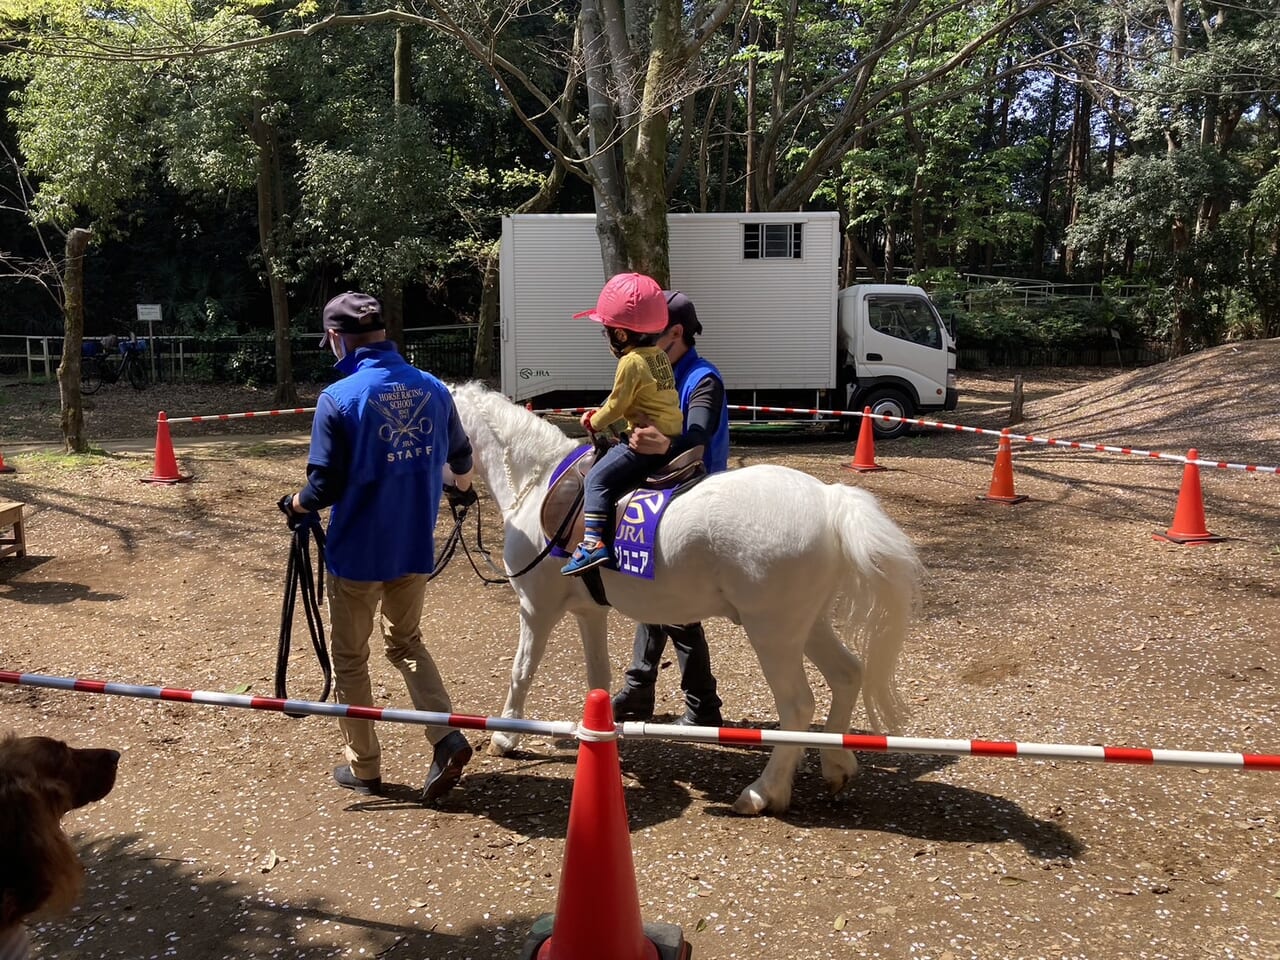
x=300 y=577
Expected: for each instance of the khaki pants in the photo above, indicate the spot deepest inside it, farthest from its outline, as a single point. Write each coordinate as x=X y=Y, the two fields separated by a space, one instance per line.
x=352 y=606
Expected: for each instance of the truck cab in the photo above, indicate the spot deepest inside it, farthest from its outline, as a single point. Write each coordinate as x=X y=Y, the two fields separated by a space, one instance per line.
x=895 y=354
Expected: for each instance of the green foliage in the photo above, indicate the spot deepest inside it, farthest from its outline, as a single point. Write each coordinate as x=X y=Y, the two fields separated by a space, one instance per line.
x=380 y=206
x=81 y=127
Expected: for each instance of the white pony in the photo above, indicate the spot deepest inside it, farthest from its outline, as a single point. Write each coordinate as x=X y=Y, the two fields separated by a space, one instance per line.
x=768 y=547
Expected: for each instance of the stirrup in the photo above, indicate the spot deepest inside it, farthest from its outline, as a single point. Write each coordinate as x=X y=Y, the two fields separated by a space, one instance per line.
x=584 y=559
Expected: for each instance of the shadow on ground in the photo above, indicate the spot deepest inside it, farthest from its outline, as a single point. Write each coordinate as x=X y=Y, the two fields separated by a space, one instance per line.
x=136 y=904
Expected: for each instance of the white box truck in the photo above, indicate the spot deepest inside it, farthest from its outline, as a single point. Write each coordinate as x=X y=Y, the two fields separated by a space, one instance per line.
x=764 y=285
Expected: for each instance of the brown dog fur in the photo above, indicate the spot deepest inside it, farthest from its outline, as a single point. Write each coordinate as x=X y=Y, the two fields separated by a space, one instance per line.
x=40 y=780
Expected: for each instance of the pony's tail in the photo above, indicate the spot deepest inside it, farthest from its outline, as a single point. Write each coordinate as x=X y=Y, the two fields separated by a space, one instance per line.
x=878 y=598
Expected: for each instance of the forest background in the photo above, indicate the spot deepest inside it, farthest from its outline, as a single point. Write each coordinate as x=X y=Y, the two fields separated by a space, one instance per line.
x=240 y=161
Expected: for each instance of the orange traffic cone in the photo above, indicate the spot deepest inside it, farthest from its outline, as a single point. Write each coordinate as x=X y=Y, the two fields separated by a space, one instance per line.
x=598 y=911
x=1188 y=518
x=1001 y=489
x=4 y=467
x=166 y=468
x=864 y=454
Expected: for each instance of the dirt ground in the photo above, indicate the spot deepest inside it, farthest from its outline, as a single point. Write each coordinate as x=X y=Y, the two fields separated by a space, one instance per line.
x=1057 y=620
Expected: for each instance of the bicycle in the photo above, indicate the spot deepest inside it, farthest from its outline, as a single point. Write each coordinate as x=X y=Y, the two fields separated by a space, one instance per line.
x=96 y=367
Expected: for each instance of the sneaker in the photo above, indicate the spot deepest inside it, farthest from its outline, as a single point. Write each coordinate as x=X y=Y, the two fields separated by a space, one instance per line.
x=585 y=557
x=633 y=703
x=343 y=777
x=451 y=755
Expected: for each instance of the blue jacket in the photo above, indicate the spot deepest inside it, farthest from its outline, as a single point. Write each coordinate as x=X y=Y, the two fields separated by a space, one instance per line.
x=380 y=439
x=690 y=371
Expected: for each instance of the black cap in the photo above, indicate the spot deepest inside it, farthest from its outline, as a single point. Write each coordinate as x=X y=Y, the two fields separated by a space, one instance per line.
x=352 y=312
x=680 y=310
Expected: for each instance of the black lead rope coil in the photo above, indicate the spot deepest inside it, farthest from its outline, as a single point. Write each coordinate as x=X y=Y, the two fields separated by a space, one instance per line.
x=301 y=577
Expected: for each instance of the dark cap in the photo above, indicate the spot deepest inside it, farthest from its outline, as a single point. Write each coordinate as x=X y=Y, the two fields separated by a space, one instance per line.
x=352 y=312
x=680 y=310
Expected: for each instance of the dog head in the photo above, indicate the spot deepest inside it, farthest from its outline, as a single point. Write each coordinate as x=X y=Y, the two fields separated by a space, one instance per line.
x=40 y=780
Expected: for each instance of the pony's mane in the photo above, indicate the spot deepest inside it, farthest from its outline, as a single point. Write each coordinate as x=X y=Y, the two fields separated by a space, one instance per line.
x=528 y=437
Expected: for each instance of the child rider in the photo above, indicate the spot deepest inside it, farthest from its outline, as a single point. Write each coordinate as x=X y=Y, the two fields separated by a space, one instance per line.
x=633 y=312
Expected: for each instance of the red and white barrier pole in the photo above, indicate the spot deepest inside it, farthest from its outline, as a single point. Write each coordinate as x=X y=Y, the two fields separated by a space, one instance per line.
x=874 y=743
x=249 y=415
x=961 y=428
x=424 y=718
x=730 y=736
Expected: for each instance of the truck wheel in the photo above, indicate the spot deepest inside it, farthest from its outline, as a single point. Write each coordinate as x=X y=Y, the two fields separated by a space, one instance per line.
x=892 y=403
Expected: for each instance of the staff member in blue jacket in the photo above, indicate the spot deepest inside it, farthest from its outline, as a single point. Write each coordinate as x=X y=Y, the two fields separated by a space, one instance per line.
x=706 y=422
x=379 y=443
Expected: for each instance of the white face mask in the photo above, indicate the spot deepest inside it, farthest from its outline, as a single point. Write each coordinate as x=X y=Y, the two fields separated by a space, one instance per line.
x=337 y=345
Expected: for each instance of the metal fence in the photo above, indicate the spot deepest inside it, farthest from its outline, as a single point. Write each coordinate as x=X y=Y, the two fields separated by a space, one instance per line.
x=986 y=291
x=980 y=358
x=446 y=351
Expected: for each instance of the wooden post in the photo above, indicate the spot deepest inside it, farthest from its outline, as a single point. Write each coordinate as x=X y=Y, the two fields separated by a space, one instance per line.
x=1015 y=405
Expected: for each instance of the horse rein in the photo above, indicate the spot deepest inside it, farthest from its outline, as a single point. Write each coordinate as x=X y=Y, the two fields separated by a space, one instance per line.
x=456 y=539
x=301 y=577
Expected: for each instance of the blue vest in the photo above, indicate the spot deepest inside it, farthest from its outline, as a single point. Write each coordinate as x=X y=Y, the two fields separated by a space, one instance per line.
x=690 y=371
x=393 y=421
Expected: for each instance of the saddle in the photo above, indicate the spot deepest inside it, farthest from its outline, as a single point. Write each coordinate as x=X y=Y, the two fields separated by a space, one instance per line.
x=562 y=507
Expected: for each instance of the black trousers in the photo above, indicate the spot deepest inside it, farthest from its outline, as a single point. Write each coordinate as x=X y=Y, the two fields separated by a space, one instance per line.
x=696 y=681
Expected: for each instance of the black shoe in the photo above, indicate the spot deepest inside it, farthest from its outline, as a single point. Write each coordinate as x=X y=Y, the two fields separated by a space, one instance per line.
x=451 y=755
x=692 y=720
x=633 y=703
x=343 y=777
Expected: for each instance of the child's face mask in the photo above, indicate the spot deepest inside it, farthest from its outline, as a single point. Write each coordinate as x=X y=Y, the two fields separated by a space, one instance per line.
x=617 y=338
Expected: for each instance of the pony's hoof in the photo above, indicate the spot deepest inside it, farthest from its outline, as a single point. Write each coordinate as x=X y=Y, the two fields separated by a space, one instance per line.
x=501 y=744
x=839 y=772
x=752 y=802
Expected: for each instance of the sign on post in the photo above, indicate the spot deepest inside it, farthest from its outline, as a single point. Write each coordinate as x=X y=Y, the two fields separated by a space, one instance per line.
x=150 y=313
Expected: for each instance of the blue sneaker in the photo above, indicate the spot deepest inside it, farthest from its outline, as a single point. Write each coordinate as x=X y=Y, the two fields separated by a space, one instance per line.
x=585 y=557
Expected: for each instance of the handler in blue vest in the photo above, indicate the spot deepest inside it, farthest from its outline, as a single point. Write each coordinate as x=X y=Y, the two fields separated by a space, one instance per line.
x=706 y=422
x=379 y=443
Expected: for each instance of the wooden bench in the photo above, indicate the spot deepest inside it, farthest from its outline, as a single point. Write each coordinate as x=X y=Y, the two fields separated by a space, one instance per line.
x=11 y=518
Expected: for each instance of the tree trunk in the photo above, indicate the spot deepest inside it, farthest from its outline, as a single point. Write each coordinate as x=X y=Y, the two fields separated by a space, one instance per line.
x=919 y=188
x=749 y=179
x=402 y=81
x=688 y=111
x=725 y=143
x=1039 y=235
x=646 y=227
x=704 y=154
x=609 y=189
x=890 y=250
x=1181 y=232
x=1007 y=93
x=72 y=419
x=487 y=323
x=393 y=311
x=270 y=186
x=392 y=294
x=1077 y=166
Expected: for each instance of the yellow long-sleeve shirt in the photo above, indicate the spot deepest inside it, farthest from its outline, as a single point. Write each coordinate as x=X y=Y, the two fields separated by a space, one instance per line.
x=644 y=386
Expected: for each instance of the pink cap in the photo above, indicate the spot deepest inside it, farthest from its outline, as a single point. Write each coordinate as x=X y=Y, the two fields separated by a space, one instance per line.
x=631 y=301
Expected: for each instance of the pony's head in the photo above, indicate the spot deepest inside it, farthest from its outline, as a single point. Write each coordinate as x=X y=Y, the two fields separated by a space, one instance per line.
x=511 y=443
